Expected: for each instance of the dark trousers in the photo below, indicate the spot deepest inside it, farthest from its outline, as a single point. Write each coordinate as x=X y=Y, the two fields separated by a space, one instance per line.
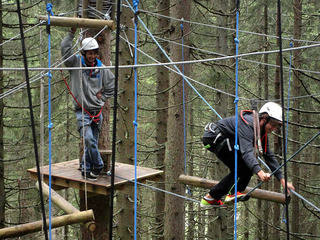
x=222 y=151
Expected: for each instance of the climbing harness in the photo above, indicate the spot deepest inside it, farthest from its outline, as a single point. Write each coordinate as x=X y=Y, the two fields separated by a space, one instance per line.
x=95 y=117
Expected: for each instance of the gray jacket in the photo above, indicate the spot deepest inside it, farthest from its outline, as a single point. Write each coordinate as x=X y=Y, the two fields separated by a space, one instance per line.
x=246 y=142
x=93 y=81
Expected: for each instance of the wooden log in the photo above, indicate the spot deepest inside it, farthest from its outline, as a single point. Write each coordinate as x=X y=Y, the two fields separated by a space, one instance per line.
x=27 y=228
x=78 y=22
x=106 y=158
x=258 y=193
x=64 y=205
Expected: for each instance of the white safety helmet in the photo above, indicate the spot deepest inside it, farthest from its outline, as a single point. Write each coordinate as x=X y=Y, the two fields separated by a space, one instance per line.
x=89 y=44
x=274 y=110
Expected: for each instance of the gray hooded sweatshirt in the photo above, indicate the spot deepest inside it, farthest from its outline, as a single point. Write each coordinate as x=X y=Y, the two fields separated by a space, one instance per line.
x=93 y=81
x=246 y=142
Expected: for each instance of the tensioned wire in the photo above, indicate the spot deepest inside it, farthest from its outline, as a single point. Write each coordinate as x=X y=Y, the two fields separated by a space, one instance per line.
x=224 y=28
x=161 y=189
x=184 y=62
x=42 y=74
x=141 y=65
x=210 y=87
x=18 y=35
x=110 y=67
x=220 y=54
x=9 y=92
x=209 y=105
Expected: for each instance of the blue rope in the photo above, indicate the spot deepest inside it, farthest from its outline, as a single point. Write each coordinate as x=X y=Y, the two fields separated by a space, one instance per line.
x=135 y=122
x=49 y=10
x=169 y=59
x=236 y=146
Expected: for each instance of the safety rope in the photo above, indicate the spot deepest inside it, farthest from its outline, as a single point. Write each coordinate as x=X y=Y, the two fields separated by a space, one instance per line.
x=114 y=124
x=50 y=125
x=135 y=122
x=236 y=146
x=83 y=129
x=35 y=146
x=283 y=125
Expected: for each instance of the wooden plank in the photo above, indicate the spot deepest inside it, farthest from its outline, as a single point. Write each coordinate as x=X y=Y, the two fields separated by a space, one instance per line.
x=66 y=174
x=258 y=193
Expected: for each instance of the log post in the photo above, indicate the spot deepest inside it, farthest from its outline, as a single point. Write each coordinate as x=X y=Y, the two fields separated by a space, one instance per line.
x=258 y=193
x=106 y=155
x=24 y=229
x=78 y=22
x=64 y=205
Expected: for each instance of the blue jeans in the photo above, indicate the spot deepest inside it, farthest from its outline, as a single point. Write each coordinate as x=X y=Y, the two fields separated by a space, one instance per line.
x=91 y=160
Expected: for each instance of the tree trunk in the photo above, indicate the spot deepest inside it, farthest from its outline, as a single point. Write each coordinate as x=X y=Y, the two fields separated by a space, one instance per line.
x=174 y=207
x=297 y=9
x=161 y=118
x=265 y=205
x=125 y=129
x=2 y=190
x=277 y=148
x=99 y=203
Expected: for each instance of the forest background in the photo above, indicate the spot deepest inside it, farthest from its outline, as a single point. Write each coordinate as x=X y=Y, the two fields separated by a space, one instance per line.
x=208 y=32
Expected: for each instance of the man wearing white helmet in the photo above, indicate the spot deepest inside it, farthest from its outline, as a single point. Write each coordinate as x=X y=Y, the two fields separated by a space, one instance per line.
x=253 y=129
x=90 y=89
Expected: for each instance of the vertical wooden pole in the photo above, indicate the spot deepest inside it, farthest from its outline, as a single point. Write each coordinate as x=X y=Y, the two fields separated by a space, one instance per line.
x=85 y=4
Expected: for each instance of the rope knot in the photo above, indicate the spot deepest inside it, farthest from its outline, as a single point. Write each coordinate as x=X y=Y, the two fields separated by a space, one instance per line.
x=49 y=74
x=135 y=123
x=236 y=40
x=236 y=100
x=50 y=125
x=49 y=8
x=291 y=44
x=236 y=147
x=181 y=24
x=135 y=4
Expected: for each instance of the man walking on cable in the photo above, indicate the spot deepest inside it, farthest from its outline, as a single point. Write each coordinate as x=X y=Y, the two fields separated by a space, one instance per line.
x=253 y=129
x=90 y=89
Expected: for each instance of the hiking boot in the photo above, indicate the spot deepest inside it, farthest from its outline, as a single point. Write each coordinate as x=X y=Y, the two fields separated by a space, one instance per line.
x=206 y=202
x=231 y=197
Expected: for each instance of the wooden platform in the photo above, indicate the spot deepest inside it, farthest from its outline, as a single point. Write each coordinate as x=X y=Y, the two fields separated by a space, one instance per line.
x=66 y=174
